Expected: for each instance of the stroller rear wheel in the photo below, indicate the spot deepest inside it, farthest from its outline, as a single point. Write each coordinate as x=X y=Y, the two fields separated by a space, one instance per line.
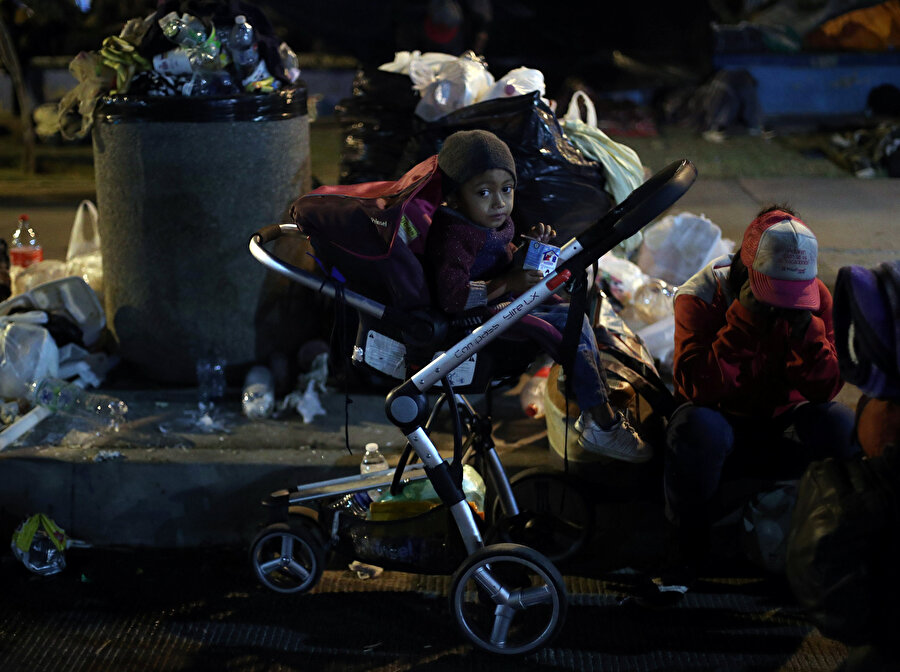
x=508 y=599
x=288 y=557
x=555 y=515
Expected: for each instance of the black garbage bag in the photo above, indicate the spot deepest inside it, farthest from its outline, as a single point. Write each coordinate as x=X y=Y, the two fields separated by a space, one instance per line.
x=556 y=184
x=377 y=123
x=842 y=547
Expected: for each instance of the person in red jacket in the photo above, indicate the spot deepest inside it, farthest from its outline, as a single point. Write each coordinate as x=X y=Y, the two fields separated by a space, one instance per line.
x=756 y=370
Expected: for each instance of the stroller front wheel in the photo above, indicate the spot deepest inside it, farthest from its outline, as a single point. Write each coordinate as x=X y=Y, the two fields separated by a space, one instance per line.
x=508 y=599
x=288 y=557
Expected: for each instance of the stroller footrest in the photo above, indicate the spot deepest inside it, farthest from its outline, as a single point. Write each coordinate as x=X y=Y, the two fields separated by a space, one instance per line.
x=348 y=484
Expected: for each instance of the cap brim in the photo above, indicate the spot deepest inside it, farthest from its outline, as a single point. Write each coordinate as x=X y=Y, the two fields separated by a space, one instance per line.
x=798 y=294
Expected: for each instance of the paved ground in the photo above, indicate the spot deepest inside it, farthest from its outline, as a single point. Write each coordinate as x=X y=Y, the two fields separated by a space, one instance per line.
x=151 y=487
x=136 y=611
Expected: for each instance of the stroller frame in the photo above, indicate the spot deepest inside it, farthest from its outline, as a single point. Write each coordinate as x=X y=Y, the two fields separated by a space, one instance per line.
x=504 y=599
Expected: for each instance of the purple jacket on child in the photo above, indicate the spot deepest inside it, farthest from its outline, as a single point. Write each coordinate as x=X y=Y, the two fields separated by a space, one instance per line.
x=462 y=256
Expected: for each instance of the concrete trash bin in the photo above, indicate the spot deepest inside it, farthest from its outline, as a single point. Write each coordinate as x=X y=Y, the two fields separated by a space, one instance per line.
x=182 y=183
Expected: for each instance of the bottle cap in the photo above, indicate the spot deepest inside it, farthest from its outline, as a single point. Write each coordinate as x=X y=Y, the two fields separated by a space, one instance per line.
x=372 y=446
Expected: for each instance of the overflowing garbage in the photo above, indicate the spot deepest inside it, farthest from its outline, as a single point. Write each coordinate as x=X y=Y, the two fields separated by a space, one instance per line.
x=569 y=172
x=639 y=280
x=222 y=50
x=54 y=350
x=643 y=283
x=446 y=83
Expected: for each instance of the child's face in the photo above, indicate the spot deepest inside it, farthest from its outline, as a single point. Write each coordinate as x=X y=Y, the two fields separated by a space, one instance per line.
x=486 y=198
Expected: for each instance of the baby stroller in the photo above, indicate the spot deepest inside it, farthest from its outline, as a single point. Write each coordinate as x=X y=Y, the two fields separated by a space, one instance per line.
x=507 y=598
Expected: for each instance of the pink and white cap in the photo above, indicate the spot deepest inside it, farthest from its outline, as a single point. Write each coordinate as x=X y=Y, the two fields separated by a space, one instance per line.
x=780 y=253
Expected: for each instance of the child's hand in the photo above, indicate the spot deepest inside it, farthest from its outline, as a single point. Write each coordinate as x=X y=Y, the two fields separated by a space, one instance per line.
x=520 y=279
x=542 y=232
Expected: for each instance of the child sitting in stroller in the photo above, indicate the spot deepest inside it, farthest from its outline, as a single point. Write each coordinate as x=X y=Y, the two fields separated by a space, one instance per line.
x=470 y=260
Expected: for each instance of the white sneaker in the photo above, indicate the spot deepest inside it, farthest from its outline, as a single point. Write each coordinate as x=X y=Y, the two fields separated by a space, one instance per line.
x=621 y=441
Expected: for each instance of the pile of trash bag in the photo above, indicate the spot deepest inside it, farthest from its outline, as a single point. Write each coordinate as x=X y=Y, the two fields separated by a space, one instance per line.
x=52 y=327
x=411 y=105
x=642 y=283
x=184 y=48
x=867 y=152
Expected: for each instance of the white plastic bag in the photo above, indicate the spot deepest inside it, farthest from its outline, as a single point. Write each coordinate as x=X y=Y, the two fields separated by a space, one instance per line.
x=405 y=61
x=517 y=82
x=624 y=277
x=659 y=339
x=677 y=246
x=80 y=243
x=71 y=296
x=83 y=258
x=450 y=85
x=27 y=353
x=624 y=170
x=26 y=279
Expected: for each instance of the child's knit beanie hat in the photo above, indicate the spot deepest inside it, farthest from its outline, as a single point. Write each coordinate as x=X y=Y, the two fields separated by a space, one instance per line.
x=468 y=153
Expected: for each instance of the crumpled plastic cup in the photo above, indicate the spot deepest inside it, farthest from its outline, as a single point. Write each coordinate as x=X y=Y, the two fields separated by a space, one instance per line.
x=40 y=544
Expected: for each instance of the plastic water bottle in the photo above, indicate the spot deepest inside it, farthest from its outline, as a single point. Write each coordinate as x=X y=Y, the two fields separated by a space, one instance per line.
x=355 y=504
x=195 y=28
x=373 y=460
x=208 y=83
x=289 y=62
x=258 y=398
x=532 y=395
x=25 y=249
x=654 y=300
x=245 y=52
x=187 y=31
x=210 y=381
x=63 y=397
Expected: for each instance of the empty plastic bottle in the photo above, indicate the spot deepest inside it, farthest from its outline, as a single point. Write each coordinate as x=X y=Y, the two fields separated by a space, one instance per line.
x=373 y=460
x=187 y=31
x=258 y=398
x=195 y=28
x=356 y=504
x=25 y=249
x=654 y=300
x=210 y=381
x=245 y=52
x=64 y=397
x=209 y=83
x=289 y=62
x=532 y=395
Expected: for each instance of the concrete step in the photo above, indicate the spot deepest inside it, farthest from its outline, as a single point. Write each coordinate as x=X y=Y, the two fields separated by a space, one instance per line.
x=162 y=481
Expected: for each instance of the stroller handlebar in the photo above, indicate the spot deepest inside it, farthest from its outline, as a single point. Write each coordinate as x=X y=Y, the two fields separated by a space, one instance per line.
x=269 y=233
x=326 y=286
x=642 y=206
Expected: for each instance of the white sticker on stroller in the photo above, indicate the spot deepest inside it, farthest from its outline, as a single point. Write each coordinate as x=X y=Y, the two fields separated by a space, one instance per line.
x=462 y=374
x=386 y=355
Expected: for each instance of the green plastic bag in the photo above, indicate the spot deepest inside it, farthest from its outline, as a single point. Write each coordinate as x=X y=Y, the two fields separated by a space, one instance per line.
x=624 y=170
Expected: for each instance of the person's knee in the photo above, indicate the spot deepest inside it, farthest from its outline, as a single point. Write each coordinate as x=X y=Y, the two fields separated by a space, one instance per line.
x=828 y=428
x=699 y=431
